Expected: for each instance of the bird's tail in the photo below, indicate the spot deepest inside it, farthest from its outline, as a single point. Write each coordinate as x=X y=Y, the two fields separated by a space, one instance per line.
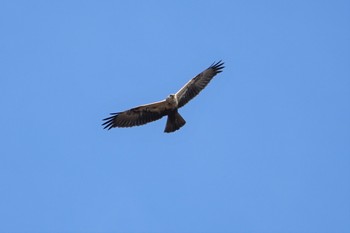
x=174 y=122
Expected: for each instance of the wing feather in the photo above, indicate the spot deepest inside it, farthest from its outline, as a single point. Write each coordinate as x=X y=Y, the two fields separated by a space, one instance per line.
x=136 y=116
x=198 y=83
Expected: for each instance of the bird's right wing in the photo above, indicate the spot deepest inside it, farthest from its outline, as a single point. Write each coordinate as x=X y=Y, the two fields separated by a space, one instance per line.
x=136 y=116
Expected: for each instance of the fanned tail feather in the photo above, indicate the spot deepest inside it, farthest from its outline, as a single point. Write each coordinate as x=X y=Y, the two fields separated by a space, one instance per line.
x=174 y=122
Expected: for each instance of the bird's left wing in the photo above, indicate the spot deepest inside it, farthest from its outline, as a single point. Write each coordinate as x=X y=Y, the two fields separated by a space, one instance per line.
x=198 y=83
x=136 y=116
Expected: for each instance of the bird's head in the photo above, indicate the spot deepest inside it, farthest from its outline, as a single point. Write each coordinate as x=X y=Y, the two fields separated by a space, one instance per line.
x=171 y=99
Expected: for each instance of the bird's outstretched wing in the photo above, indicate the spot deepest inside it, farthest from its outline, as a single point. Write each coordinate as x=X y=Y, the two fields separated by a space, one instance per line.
x=136 y=116
x=198 y=83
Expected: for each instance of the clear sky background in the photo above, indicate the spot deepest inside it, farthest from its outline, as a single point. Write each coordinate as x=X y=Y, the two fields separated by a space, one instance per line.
x=266 y=147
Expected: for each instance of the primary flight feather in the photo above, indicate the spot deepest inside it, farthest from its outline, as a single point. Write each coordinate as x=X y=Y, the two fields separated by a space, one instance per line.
x=169 y=107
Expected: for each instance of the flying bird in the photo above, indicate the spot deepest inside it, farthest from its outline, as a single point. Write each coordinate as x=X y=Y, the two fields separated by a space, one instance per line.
x=169 y=107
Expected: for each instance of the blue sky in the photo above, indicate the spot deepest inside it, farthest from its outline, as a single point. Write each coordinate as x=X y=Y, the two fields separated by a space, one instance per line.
x=266 y=147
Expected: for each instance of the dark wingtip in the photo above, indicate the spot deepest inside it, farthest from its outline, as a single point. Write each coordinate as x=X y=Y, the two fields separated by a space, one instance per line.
x=217 y=66
x=108 y=121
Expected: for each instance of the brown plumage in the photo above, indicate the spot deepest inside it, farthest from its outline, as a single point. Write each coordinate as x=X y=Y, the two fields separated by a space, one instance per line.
x=169 y=107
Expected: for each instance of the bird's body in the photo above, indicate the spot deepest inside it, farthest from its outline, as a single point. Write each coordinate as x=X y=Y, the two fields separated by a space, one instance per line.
x=169 y=107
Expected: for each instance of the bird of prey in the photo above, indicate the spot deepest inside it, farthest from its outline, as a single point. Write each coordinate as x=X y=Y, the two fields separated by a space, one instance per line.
x=169 y=107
